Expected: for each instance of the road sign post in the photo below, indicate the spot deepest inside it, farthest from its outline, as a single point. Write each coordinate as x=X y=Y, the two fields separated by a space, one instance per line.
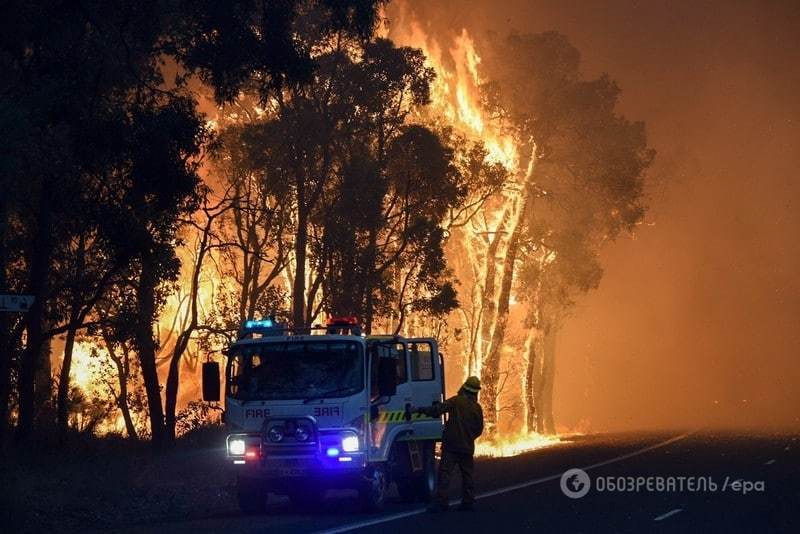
x=15 y=303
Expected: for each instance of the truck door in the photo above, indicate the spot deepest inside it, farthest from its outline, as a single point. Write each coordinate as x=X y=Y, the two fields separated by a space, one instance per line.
x=427 y=383
x=388 y=412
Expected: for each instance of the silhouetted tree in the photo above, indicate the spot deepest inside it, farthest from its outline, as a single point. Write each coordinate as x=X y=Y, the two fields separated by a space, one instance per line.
x=281 y=51
x=587 y=177
x=68 y=71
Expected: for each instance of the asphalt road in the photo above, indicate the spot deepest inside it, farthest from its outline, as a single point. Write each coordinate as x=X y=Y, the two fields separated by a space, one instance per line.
x=750 y=483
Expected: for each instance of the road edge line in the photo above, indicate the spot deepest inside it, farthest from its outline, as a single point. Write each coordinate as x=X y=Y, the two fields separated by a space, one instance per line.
x=500 y=491
x=668 y=514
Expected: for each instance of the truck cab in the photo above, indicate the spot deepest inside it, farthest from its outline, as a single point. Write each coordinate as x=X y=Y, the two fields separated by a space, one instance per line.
x=327 y=407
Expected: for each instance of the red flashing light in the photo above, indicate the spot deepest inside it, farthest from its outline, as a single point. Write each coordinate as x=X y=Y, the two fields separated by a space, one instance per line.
x=251 y=454
x=350 y=320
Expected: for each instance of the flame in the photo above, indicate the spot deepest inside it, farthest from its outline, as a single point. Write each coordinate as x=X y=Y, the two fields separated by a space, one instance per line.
x=456 y=100
x=515 y=444
x=82 y=373
x=456 y=91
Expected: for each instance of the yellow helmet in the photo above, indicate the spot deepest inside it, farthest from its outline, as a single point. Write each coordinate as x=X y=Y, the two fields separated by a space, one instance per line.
x=473 y=384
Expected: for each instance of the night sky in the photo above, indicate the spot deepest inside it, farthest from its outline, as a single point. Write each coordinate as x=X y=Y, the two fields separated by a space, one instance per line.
x=696 y=320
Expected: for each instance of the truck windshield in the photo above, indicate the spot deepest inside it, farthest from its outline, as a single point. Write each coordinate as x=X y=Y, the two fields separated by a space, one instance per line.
x=295 y=370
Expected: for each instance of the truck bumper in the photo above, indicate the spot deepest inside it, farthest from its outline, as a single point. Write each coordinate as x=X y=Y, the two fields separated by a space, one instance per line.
x=281 y=472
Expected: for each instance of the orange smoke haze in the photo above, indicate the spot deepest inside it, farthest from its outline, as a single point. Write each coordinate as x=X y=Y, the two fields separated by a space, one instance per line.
x=695 y=321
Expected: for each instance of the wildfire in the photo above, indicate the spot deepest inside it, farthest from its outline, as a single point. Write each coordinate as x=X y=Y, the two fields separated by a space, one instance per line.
x=515 y=444
x=456 y=100
x=455 y=93
x=82 y=373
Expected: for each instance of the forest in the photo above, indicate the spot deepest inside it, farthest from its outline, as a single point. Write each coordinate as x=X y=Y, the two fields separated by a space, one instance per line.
x=172 y=168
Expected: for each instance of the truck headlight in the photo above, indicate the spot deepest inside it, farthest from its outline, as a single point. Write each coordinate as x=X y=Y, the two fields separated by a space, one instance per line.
x=350 y=443
x=302 y=433
x=236 y=447
x=275 y=434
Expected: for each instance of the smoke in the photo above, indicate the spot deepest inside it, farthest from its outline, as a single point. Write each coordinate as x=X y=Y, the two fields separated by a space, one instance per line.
x=695 y=321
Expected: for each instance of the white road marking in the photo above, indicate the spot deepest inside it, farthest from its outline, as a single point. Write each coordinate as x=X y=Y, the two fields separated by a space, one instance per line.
x=770 y=462
x=507 y=489
x=668 y=514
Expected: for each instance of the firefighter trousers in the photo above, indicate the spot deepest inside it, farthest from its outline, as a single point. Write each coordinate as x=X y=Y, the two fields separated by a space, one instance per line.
x=447 y=464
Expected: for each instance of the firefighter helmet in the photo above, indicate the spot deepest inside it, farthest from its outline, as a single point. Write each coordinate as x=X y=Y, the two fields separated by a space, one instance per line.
x=472 y=384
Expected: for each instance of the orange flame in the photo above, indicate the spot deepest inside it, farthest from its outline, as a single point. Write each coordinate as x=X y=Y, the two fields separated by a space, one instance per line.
x=515 y=444
x=456 y=100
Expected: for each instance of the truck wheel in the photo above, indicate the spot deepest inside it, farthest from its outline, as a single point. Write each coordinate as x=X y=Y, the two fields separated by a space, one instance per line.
x=307 y=498
x=420 y=485
x=372 y=492
x=424 y=484
x=252 y=496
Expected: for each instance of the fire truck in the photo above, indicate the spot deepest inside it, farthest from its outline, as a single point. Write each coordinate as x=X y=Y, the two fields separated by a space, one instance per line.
x=313 y=409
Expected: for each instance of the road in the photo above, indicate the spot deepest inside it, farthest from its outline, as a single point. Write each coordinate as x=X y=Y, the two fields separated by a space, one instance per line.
x=757 y=479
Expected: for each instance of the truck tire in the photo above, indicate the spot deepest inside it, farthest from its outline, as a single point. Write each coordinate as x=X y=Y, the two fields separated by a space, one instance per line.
x=419 y=486
x=252 y=495
x=424 y=483
x=373 y=489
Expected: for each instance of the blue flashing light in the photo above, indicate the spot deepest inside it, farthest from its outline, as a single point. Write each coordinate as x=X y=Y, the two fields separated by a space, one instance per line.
x=332 y=452
x=345 y=459
x=263 y=323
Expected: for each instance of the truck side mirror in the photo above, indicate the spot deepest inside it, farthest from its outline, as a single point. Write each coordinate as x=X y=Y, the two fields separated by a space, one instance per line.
x=211 y=381
x=387 y=377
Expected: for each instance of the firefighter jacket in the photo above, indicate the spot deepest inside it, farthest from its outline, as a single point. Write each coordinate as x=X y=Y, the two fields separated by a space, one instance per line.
x=464 y=421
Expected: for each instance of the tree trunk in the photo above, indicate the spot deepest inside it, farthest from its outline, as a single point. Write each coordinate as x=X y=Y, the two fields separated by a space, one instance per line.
x=173 y=376
x=123 y=373
x=62 y=400
x=44 y=380
x=37 y=286
x=538 y=387
x=530 y=385
x=490 y=371
x=122 y=402
x=548 y=378
x=171 y=396
x=369 y=290
x=182 y=343
x=488 y=304
x=146 y=348
x=301 y=242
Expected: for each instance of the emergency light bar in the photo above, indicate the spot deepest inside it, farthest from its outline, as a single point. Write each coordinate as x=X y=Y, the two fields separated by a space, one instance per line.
x=265 y=327
x=350 y=320
x=269 y=326
x=263 y=323
x=341 y=325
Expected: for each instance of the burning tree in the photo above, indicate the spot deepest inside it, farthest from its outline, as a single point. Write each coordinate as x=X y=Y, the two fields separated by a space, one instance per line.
x=576 y=171
x=404 y=178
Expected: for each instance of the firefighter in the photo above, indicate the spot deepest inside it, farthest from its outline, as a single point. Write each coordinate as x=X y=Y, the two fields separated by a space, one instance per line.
x=464 y=425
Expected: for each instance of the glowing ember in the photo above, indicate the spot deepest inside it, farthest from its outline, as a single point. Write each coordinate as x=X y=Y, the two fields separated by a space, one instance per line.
x=515 y=444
